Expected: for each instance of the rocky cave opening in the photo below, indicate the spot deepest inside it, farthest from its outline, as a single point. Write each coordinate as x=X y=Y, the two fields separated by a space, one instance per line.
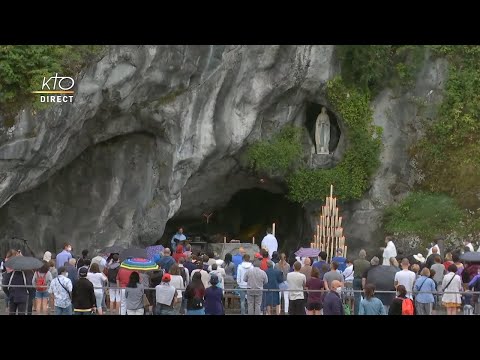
x=246 y=215
x=312 y=112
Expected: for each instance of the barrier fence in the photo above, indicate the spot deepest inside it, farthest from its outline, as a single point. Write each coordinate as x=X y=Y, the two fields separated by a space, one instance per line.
x=232 y=298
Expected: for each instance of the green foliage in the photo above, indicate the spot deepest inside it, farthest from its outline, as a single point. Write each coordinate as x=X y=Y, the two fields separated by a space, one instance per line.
x=449 y=154
x=373 y=67
x=22 y=68
x=278 y=155
x=351 y=177
x=425 y=215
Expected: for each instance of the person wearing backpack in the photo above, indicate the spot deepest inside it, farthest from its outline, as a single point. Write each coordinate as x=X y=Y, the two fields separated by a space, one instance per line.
x=401 y=305
x=114 y=291
x=41 y=280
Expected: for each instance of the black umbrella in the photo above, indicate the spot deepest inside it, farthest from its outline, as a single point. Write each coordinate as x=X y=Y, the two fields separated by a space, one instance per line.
x=23 y=263
x=114 y=249
x=471 y=256
x=133 y=252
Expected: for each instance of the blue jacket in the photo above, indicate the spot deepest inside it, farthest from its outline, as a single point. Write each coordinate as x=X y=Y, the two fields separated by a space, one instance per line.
x=165 y=262
x=275 y=278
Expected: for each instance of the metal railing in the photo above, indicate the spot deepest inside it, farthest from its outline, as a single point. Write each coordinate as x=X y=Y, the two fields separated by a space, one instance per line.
x=233 y=298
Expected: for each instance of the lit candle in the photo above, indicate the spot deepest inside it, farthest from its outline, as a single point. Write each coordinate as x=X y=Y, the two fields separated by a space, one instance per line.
x=345 y=251
x=331 y=190
x=340 y=221
x=224 y=239
x=273 y=229
x=253 y=240
x=318 y=231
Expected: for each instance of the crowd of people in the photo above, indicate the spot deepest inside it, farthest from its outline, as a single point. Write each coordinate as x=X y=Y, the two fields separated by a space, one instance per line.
x=267 y=283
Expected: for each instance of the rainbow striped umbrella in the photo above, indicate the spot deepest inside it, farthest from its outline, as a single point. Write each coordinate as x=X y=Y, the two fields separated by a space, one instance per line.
x=139 y=264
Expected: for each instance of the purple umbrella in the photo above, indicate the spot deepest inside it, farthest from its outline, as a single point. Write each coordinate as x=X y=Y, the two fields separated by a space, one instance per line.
x=154 y=250
x=307 y=252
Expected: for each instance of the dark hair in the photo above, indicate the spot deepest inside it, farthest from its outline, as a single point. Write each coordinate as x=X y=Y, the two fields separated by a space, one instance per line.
x=369 y=291
x=61 y=270
x=205 y=258
x=133 y=280
x=87 y=262
x=437 y=259
x=181 y=260
x=197 y=280
x=214 y=266
x=315 y=272
x=115 y=257
x=246 y=257
x=84 y=253
x=228 y=259
x=65 y=245
x=402 y=291
x=455 y=257
x=322 y=255
x=200 y=265
x=432 y=273
x=264 y=253
x=452 y=268
x=334 y=265
x=51 y=263
x=275 y=256
x=94 y=268
x=44 y=269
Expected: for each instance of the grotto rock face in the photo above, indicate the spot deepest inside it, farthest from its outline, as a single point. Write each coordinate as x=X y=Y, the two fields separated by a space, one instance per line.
x=158 y=131
x=148 y=124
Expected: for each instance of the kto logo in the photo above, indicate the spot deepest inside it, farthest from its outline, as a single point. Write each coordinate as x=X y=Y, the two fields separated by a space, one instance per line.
x=56 y=85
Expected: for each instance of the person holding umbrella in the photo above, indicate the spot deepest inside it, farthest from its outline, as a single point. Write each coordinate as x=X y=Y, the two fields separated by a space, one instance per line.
x=18 y=296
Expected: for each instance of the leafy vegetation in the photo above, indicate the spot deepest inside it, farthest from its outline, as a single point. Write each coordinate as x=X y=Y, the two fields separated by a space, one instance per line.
x=22 y=68
x=283 y=154
x=279 y=155
x=449 y=154
x=351 y=177
x=425 y=215
x=373 y=67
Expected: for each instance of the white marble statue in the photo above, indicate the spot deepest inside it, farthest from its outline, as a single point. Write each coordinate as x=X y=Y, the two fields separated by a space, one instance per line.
x=322 y=132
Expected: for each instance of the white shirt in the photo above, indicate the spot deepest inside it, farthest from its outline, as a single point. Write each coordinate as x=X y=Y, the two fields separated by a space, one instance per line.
x=296 y=281
x=177 y=282
x=388 y=252
x=270 y=242
x=406 y=278
x=97 y=279
x=348 y=273
x=470 y=246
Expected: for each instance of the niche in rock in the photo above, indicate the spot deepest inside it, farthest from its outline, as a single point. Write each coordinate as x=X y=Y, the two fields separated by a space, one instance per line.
x=313 y=110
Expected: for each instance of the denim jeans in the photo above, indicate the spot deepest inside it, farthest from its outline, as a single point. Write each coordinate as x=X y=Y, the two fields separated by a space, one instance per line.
x=63 y=311
x=243 y=295
x=196 y=312
x=161 y=309
x=357 y=285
